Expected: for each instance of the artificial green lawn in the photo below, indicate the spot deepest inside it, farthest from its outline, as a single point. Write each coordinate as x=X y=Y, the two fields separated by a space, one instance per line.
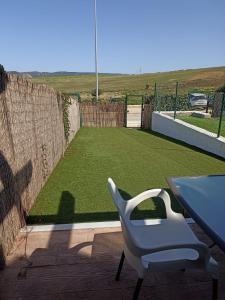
x=136 y=160
x=211 y=124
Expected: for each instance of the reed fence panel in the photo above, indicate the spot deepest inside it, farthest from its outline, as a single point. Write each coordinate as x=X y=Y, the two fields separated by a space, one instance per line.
x=32 y=142
x=102 y=114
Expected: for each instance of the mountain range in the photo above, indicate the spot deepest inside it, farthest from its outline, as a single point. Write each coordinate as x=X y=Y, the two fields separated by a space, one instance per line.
x=59 y=73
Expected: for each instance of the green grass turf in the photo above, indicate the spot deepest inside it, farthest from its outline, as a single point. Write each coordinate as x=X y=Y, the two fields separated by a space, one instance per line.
x=208 y=124
x=136 y=160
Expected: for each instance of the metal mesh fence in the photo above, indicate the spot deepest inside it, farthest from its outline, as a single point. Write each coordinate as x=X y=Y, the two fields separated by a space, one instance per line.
x=206 y=112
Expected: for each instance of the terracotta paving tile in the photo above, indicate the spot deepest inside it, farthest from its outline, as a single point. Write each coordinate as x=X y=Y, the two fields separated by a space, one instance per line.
x=81 y=264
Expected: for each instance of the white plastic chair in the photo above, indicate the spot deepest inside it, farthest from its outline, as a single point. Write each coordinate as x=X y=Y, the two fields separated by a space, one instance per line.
x=170 y=245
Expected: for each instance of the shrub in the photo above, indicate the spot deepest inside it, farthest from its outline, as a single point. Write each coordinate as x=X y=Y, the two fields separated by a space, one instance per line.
x=93 y=93
x=221 y=89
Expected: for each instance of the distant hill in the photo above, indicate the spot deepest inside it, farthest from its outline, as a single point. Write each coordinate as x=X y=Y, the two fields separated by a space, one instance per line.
x=59 y=73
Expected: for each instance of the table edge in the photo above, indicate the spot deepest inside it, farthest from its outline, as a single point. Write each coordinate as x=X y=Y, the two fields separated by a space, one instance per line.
x=194 y=215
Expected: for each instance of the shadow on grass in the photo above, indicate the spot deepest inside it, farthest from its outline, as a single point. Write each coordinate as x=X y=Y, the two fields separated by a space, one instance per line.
x=181 y=143
x=67 y=211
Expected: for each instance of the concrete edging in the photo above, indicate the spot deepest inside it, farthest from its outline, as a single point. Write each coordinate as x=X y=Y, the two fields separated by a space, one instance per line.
x=91 y=225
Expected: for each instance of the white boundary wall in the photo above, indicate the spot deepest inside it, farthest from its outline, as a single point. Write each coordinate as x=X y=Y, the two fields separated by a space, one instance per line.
x=188 y=133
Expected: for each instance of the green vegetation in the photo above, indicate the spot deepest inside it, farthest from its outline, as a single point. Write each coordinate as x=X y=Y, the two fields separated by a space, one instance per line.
x=203 y=80
x=66 y=103
x=93 y=92
x=221 y=89
x=208 y=124
x=137 y=160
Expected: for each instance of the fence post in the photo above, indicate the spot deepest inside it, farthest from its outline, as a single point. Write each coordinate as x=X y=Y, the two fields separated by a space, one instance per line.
x=175 y=108
x=207 y=106
x=155 y=97
x=125 y=112
x=221 y=115
x=159 y=101
x=142 y=110
x=81 y=120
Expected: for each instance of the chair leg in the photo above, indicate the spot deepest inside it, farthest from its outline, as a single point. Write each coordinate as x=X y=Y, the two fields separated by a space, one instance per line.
x=137 y=289
x=120 y=267
x=215 y=288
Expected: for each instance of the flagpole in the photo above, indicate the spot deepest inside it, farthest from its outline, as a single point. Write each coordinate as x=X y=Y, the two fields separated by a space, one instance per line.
x=96 y=49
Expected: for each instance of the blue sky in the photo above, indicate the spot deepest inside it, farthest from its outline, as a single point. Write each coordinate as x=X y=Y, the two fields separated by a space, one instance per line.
x=151 y=35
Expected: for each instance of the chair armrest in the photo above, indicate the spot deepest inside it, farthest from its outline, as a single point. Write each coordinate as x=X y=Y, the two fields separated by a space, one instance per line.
x=132 y=203
x=201 y=248
x=198 y=246
x=167 y=201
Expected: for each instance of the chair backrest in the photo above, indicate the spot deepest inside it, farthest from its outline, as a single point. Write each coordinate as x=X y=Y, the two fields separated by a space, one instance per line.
x=118 y=200
x=124 y=214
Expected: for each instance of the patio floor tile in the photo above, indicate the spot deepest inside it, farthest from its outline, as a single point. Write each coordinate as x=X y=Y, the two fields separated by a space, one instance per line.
x=81 y=264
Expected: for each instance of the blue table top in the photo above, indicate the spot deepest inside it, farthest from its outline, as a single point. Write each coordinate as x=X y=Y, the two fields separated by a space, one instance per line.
x=203 y=197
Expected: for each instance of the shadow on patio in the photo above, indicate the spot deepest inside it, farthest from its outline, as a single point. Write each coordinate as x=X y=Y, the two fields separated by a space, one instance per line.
x=81 y=264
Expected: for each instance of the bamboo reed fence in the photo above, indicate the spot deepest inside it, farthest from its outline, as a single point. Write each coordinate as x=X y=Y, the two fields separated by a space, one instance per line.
x=102 y=114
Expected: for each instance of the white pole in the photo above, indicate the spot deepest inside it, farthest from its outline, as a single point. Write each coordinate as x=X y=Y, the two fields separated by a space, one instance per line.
x=96 y=49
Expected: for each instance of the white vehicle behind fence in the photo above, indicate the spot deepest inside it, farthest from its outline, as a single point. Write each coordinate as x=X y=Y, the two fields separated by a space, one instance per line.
x=197 y=99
